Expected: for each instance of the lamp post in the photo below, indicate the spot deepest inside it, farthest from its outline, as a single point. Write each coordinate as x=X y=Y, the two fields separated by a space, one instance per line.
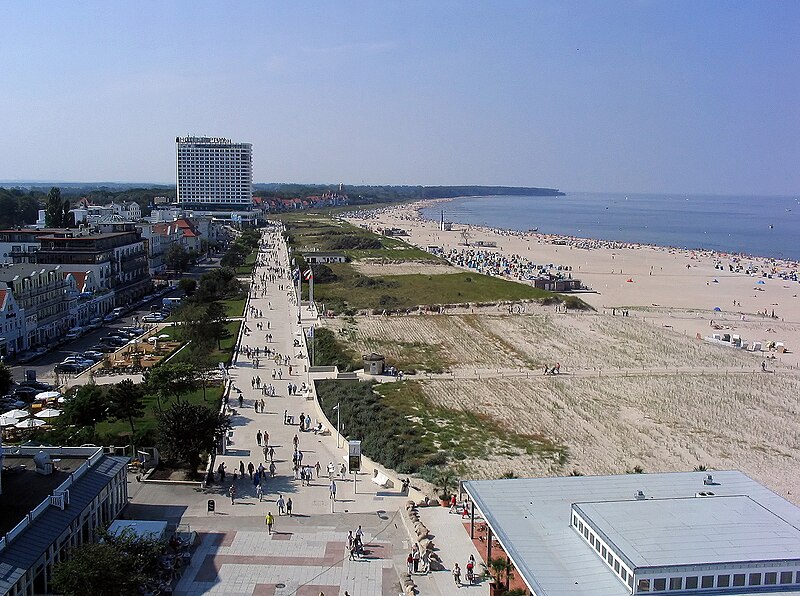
x=338 y=425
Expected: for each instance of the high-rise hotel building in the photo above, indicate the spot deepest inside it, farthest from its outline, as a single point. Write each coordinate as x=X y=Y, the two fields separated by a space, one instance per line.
x=214 y=173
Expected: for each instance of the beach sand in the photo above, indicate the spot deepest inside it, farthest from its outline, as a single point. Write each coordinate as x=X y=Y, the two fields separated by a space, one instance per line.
x=667 y=286
x=640 y=390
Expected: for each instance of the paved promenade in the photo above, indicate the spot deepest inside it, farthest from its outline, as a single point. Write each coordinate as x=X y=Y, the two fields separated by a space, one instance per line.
x=306 y=553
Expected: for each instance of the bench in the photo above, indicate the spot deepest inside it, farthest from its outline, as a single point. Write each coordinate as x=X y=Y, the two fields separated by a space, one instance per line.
x=382 y=480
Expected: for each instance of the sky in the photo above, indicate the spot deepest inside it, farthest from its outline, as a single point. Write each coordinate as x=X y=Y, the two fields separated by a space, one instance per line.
x=639 y=96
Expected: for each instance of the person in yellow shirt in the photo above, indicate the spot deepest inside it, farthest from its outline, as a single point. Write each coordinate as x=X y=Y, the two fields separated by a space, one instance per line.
x=269 y=521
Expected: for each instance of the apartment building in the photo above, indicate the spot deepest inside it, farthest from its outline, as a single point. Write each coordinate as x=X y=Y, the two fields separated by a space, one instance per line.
x=41 y=291
x=214 y=173
x=12 y=324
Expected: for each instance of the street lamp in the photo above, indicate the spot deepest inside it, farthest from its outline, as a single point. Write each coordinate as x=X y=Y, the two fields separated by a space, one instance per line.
x=338 y=425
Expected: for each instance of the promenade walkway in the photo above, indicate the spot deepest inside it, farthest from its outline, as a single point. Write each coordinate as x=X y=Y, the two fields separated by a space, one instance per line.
x=305 y=554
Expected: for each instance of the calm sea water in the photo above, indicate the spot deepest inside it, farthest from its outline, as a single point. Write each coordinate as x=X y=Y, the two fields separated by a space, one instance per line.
x=722 y=223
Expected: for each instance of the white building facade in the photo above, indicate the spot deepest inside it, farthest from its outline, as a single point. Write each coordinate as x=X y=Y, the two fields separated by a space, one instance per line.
x=214 y=173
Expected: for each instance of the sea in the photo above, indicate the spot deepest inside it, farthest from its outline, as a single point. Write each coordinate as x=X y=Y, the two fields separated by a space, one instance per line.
x=749 y=225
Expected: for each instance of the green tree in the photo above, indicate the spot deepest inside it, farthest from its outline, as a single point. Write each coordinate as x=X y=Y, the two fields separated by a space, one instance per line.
x=6 y=379
x=67 y=218
x=9 y=209
x=87 y=407
x=186 y=430
x=54 y=209
x=187 y=285
x=116 y=566
x=126 y=402
x=170 y=379
x=177 y=258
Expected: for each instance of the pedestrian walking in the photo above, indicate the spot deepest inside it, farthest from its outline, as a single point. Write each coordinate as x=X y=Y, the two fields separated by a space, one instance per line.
x=317 y=468
x=258 y=437
x=232 y=493
x=296 y=442
x=410 y=563
x=250 y=469
x=289 y=506
x=271 y=453
x=271 y=464
x=333 y=490
x=269 y=520
x=281 y=505
x=241 y=468
x=457 y=574
x=302 y=420
x=259 y=492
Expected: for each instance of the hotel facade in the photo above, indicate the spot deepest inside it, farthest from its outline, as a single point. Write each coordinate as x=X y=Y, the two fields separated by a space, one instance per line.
x=214 y=173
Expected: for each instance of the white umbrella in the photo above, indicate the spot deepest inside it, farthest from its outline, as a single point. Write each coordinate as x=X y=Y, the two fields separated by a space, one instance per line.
x=45 y=395
x=163 y=336
x=30 y=423
x=8 y=420
x=61 y=400
x=48 y=413
x=18 y=414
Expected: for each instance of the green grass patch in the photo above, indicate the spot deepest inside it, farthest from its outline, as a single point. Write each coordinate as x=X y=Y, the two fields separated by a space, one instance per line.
x=401 y=428
x=111 y=432
x=249 y=264
x=234 y=307
x=328 y=351
x=356 y=291
x=224 y=353
x=463 y=434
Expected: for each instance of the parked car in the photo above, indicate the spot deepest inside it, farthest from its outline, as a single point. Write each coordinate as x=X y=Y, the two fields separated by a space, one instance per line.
x=32 y=355
x=155 y=317
x=104 y=348
x=137 y=331
x=95 y=323
x=38 y=385
x=74 y=333
x=93 y=355
x=68 y=367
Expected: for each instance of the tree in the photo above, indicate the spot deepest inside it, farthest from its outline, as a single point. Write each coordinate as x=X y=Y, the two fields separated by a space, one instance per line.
x=54 y=209
x=67 y=218
x=177 y=258
x=187 y=285
x=170 y=379
x=186 y=430
x=87 y=407
x=6 y=379
x=118 y=565
x=126 y=402
x=9 y=210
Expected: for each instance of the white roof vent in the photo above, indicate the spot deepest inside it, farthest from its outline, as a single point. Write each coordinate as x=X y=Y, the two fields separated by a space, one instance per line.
x=639 y=495
x=708 y=480
x=704 y=493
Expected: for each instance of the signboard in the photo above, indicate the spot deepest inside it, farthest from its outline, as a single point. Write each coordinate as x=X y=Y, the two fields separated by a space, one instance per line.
x=354 y=455
x=211 y=506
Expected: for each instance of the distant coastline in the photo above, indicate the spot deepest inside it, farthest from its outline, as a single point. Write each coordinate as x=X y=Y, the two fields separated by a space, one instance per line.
x=742 y=226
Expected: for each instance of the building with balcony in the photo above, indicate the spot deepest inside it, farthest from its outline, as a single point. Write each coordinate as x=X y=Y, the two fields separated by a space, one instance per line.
x=214 y=173
x=117 y=259
x=41 y=291
x=12 y=324
x=53 y=499
x=18 y=246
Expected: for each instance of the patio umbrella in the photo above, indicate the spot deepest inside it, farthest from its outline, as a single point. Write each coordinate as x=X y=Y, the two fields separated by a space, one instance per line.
x=45 y=395
x=163 y=336
x=30 y=423
x=48 y=413
x=8 y=420
x=61 y=399
x=717 y=309
x=760 y=282
x=18 y=414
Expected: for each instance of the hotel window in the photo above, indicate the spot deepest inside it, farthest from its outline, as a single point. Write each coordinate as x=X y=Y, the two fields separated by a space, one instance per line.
x=616 y=565
x=755 y=579
x=675 y=583
x=610 y=559
x=707 y=581
x=659 y=585
x=624 y=574
x=586 y=532
x=691 y=583
x=643 y=585
x=797 y=578
x=786 y=577
x=738 y=579
x=603 y=552
x=597 y=546
x=771 y=578
x=591 y=539
x=723 y=581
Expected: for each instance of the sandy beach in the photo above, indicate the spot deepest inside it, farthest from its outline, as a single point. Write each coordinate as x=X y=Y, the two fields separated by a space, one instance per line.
x=668 y=287
x=640 y=388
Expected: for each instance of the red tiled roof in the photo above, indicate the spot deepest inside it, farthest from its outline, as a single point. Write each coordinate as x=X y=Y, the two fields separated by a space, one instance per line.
x=79 y=277
x=3 y=295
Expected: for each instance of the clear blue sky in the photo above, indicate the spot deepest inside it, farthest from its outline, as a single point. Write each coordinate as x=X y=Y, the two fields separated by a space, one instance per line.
x=670 y=96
